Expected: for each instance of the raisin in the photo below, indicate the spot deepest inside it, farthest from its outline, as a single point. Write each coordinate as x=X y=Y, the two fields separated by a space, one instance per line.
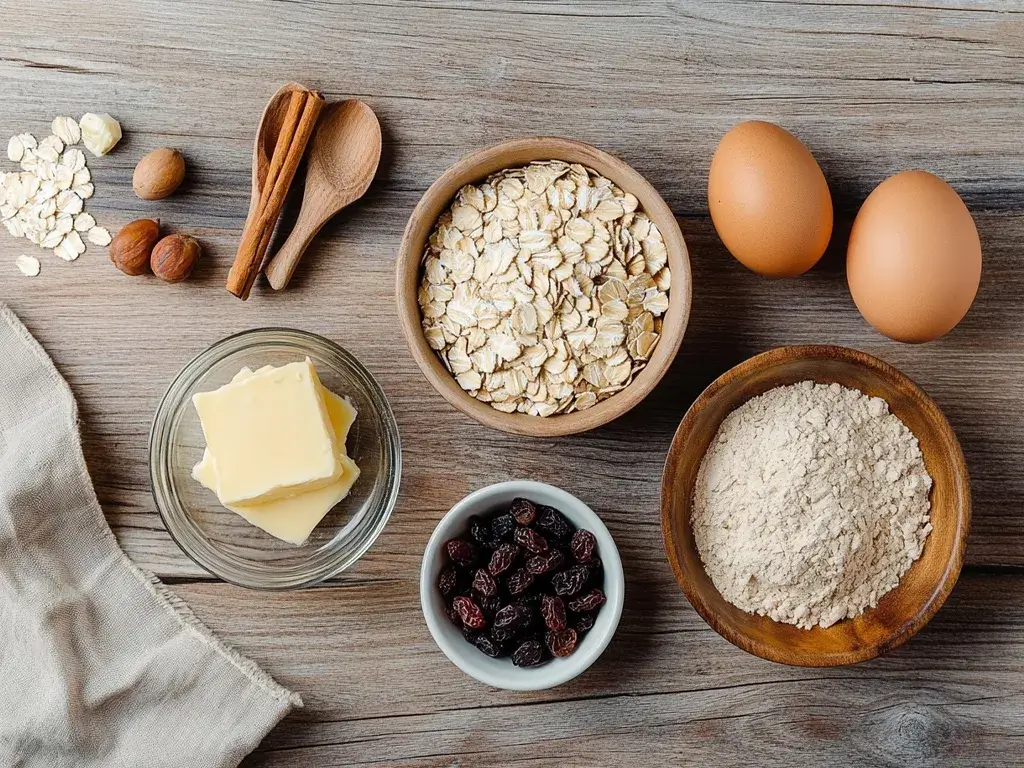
x=489 y=604
x=487 y=646
x=523 y=511
x=532 y=603
x=484 y=583
x=513 y=616
x=502 y=634
x=502 y=527
x=453 y=615
x=470 y=613
x=519 y=581
x=479 y=530
x=553 y=522
x=584 y=624
x=562 y=642
x=461 y=552
x=545 y=562
x=553 y=610
x=530 y=540
x=502 y=558
x=571 y=580
x=583 y=544
x=529 y=654
x=449 y=582
x=591 y=601
x=533 y=606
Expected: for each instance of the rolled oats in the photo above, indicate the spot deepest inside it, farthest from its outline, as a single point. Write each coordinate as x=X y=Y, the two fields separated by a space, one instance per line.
x=44 y=201
x=542 y=289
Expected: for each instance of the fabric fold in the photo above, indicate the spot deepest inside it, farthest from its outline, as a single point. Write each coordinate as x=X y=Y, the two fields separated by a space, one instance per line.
x=100 y=664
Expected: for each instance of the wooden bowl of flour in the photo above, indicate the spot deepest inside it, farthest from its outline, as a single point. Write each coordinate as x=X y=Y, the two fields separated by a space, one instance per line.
x=922 y=589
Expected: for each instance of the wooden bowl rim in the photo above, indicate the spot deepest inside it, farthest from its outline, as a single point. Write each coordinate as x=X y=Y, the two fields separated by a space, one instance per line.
x=410 y=256
x=950 y=575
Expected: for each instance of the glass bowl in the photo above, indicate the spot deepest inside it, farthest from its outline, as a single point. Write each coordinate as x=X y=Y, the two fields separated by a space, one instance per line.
x=221 y=541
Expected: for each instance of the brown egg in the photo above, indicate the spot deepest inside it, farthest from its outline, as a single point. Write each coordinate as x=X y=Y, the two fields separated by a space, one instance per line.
x=914 y=258
x=769 y=200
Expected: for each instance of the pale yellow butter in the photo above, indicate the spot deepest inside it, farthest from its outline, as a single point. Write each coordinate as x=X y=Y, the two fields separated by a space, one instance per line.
x=270 y=435
x=293 y=519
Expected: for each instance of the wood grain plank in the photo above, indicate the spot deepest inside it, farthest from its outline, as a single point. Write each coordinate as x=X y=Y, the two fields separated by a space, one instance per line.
x=120 y=343
x=873 y=86
x=667 y=686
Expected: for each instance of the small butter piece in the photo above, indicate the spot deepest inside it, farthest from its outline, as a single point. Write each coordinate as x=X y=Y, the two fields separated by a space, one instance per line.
x=99 y=132
x=270 y=435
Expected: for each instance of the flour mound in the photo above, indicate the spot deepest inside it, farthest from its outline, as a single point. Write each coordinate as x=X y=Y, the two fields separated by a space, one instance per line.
x=811 y=503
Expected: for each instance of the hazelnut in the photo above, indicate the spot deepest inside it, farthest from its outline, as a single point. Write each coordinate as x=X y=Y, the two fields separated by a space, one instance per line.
x=174 y=257
x=158 y=174
x=131 y=248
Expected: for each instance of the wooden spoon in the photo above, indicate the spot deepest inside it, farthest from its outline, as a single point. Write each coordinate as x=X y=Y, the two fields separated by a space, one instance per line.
x=342 y=161
x=266 y=137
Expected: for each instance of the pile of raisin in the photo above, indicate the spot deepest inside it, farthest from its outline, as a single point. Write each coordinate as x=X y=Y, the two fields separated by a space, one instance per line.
x=524 y=583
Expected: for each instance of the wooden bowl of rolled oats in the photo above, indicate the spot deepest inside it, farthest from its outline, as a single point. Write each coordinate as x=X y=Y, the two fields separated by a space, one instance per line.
x=543 y=286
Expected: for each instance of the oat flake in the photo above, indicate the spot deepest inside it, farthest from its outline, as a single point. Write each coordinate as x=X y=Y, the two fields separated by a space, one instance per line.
x=29 y=265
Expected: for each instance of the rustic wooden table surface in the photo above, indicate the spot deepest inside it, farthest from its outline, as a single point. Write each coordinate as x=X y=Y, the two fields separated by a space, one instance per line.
x=871 y=87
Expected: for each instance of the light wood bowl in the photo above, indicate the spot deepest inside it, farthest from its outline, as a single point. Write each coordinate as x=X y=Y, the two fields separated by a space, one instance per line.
x=475 y=168
x=923 y=588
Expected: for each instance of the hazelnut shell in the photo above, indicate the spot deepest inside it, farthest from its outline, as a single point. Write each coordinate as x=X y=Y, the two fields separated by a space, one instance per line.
x=174 y=257
x=159 y=174
x=131 y=248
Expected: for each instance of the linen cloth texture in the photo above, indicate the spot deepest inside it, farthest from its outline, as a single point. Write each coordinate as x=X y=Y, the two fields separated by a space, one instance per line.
x=100 y=665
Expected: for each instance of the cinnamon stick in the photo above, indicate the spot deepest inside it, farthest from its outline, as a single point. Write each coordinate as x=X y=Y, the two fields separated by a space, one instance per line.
x=303 y=110
x=244 y=270
x=279 y=195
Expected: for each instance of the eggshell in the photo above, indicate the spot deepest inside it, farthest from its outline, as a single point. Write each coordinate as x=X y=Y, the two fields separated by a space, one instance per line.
x=914 y=259
x=769 y=200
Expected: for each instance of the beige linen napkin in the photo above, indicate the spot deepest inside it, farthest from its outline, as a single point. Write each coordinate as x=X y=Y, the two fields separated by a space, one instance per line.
x=100 y=666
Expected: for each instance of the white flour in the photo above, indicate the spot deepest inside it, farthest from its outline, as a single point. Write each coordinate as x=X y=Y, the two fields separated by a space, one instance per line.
x=811 y=503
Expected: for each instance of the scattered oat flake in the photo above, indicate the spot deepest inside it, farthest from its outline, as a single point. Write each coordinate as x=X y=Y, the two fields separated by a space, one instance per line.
x=73 y=159
x=29 y=265
x=67 y=130
x=15 y=149
x=70 y=203
x=43 y=200
x=66 y=251
x=98 y=236
x=53 y=239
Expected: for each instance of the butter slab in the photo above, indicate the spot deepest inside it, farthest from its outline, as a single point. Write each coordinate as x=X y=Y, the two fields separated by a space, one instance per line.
x=270 y=435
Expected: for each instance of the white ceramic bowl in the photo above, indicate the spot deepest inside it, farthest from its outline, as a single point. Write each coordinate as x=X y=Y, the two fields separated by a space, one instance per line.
x=502 y=673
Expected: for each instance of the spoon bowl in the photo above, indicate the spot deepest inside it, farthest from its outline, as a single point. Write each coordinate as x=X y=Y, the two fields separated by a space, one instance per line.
x=342 y=161
x=269 y=129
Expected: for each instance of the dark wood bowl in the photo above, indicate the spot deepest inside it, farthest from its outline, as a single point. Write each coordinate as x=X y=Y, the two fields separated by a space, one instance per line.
x=477 y=167
x=923 y=588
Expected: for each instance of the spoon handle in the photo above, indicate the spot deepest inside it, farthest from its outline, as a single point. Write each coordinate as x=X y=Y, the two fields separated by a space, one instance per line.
x=279 y=270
